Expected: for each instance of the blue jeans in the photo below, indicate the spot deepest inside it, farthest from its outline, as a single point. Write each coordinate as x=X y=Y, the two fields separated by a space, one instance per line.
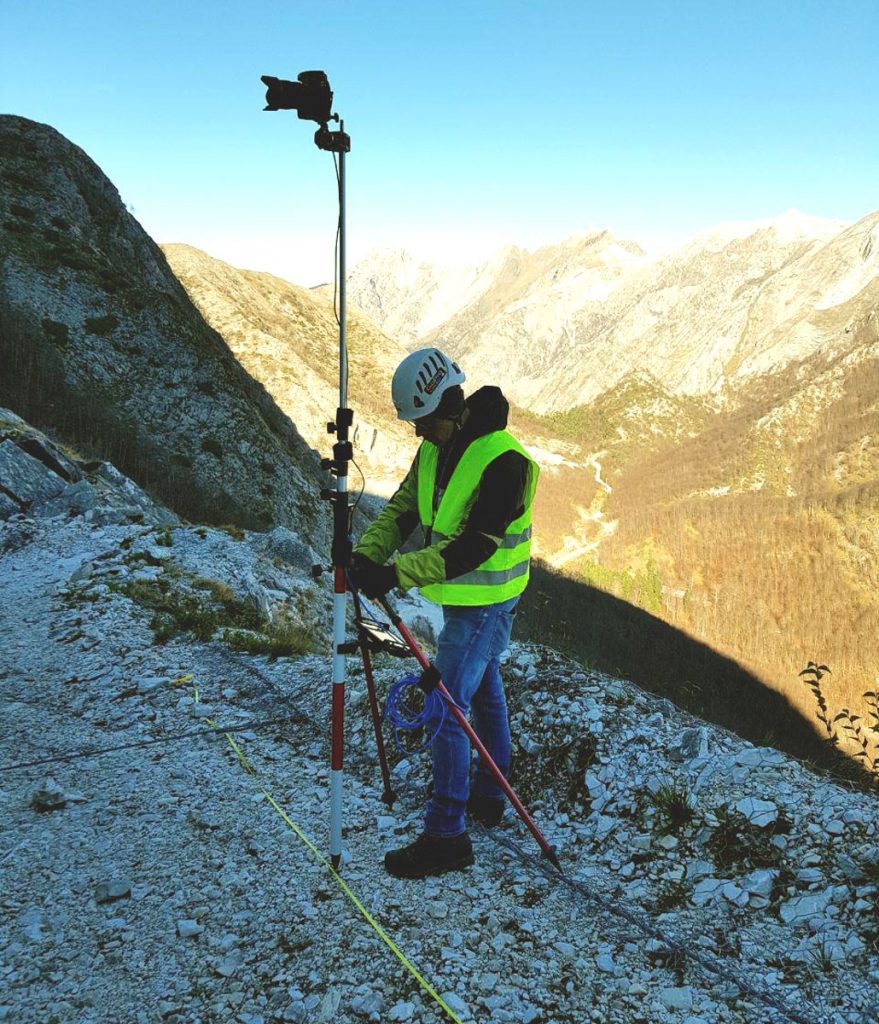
x=468 y=658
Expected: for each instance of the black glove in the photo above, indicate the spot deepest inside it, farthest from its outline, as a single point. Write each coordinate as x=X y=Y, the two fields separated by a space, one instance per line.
x=372 y=579
x=361 y=561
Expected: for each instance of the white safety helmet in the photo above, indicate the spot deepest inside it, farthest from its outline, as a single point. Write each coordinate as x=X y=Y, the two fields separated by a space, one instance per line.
x=420 y=380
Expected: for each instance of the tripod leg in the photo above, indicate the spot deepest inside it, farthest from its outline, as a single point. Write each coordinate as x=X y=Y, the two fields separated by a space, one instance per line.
x=388 y=796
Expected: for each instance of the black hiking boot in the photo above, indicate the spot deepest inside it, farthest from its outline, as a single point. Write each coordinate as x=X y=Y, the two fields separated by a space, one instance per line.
x=430 y=855
x=487 y=810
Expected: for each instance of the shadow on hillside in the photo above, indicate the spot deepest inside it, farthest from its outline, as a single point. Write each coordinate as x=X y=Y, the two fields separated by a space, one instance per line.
x=616 y=637
x=105 y=418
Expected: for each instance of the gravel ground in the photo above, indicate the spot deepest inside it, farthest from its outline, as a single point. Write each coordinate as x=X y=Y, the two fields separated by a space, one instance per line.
x=158 y=883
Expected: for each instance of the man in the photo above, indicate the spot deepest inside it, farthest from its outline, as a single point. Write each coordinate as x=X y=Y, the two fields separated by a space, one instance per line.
x=470 y=488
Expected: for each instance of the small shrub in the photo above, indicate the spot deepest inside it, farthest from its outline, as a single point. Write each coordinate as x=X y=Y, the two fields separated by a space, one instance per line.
x=673 y=959
x=735 y=842
x=280 y=642
x=213 y=446
x=234 y=611
x=672 y=893
x=855 y=729
x=184 y=613
x=674 y=805
x=814 y=673
x=235 y=532
x=101 y=325
x=179 y=611
x=822 y=960
x=56 y=332
x=563 y=763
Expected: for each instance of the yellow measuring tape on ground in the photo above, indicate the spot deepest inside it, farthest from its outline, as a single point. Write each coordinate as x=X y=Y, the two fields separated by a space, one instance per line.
x=382 y=934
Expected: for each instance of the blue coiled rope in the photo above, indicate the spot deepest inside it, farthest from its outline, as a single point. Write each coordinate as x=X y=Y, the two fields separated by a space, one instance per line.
x=403 y=717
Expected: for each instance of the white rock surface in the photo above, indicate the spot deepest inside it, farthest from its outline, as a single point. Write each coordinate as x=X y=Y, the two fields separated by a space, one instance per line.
x=172 y=867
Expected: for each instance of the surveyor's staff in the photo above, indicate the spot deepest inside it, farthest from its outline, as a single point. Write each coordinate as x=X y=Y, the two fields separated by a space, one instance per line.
x=487 y=760
x=311 y=97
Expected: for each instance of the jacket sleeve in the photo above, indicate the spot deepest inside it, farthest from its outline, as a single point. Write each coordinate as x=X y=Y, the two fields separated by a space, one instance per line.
x=394 y=523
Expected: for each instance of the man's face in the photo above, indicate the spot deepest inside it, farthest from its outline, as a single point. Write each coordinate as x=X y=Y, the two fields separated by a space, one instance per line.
x=435 y=429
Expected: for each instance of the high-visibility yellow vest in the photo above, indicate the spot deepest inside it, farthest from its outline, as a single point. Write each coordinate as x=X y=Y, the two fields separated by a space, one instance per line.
x=505 y=573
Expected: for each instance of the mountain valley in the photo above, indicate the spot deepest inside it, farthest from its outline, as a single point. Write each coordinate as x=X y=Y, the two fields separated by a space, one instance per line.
x=721 y=405
x=709 y=452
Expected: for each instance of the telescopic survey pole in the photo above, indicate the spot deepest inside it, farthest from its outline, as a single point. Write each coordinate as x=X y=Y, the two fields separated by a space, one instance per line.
x=312 y=98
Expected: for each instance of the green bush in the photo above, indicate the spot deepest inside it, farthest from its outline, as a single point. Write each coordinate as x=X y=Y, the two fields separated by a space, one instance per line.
x=101 y=324
x=736 y=842
x=855 y=729
x=281 y=642
x=56 y=332
x=176 y=610
x=674 y=806
x=213 y=446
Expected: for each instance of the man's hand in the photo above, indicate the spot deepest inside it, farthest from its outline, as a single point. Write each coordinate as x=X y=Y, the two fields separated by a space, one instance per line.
x=372 y=579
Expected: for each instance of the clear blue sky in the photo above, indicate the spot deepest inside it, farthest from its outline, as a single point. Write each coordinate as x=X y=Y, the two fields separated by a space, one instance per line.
x=473 y=124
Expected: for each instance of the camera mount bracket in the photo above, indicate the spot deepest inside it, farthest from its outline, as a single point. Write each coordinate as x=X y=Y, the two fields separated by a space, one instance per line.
x=333 y=142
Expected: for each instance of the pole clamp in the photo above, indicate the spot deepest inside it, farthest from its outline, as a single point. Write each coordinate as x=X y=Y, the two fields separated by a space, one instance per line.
x=343 y=451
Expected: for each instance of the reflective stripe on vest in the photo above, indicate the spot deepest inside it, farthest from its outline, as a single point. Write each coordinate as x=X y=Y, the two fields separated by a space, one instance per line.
x=505 y=573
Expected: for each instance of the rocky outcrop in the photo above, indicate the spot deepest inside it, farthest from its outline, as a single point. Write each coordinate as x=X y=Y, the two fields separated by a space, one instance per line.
x=101 y=343
x=38 y=477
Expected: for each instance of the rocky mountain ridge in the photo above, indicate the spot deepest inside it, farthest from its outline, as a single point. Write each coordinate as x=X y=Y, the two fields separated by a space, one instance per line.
x=735 y=302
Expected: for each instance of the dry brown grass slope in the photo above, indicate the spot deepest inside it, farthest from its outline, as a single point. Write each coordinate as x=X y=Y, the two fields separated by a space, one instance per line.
x=287 y=337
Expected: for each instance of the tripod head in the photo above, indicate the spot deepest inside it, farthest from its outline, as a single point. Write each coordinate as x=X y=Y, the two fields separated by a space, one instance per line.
x=312 y=99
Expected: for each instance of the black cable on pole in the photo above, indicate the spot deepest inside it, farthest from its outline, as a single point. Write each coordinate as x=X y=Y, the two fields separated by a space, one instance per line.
x=360 y=494
x=336 y=252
